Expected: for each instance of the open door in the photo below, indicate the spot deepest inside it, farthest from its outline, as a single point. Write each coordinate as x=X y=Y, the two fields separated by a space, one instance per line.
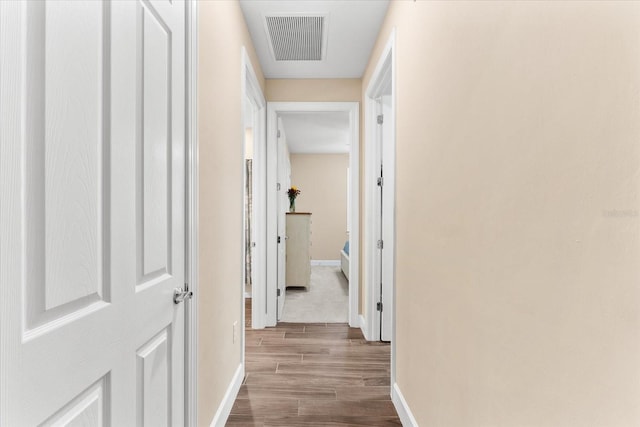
x=284 y=182
x=92 y=213
x=380 y=215
x=387 y=217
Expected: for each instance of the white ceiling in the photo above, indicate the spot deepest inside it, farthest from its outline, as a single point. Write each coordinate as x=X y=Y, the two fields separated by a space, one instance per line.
x=352 y=28
x=316 y=133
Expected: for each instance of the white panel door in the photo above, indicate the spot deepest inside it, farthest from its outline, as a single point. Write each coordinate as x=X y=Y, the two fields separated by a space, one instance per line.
x=388 y=220
x=92 y=212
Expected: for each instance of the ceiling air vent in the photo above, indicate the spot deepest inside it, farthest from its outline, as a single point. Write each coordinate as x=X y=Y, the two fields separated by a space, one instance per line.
x=297 y=37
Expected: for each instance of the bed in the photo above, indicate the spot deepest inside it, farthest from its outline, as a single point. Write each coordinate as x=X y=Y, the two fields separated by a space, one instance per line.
x=344 y=260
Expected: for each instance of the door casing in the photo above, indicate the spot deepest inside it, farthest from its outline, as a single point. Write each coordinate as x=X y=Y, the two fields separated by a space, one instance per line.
x=251 y=90
x=382 y=82
x=273 y=110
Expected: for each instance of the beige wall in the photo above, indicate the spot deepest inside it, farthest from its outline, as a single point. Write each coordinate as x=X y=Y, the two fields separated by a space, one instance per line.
x=222 y=33
x=518 y=232
x=313 y=90
x=322 y=178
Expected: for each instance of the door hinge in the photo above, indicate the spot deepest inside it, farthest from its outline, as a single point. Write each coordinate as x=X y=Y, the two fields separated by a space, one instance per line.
x=380 y=119
x=278 y=187
x=279 y=292
x=379 y=306
x=278 y=133
x=380 y=181
x=380 y=244
x=279 y=239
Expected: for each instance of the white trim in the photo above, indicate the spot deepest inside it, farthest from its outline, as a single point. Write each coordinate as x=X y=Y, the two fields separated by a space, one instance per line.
x=251 y=89
x=191 y=306
x=247 y=295
x=402 y=408
x=222 y=414
x=273 y=109
x=325 y=262
x=362 y=324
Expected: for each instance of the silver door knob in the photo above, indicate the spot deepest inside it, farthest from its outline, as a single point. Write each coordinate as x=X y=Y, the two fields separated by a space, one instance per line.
x=180 y=295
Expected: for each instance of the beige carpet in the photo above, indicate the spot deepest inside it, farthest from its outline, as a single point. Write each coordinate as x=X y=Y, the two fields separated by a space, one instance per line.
x=327 y=299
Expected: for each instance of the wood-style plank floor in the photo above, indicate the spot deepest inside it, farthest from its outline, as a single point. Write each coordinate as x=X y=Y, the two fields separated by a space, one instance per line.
x=313 y=374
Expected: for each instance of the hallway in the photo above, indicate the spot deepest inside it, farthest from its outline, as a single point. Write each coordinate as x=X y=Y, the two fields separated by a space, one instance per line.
x=313 y=374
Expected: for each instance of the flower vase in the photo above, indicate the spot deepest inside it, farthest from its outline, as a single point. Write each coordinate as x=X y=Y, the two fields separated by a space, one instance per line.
x=292 y=204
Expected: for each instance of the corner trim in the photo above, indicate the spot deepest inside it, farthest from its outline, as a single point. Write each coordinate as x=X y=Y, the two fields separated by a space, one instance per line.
x=326 y=262
x=222 y=414
x=191 y=216
x=404 y=412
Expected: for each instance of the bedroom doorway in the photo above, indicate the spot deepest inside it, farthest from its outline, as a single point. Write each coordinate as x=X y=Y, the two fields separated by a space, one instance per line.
x=254 y=171
x=276 y=236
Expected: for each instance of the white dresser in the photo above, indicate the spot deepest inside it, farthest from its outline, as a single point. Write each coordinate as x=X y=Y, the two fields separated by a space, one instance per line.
x=298 y=272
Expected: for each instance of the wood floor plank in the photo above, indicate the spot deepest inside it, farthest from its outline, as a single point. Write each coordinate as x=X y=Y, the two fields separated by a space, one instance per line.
x=253 y=391
x=261 y=366
x=245 y=421
x=319 y=374
x=319 y=368
x=370 y=381
x=330 y=421
x=279 y=357
x=363 y=393
x=306 y=340
x=348 y=358
x=289 y=349
x=265 y=406
x=327 y=334
x=347 y=408
x=305 y=379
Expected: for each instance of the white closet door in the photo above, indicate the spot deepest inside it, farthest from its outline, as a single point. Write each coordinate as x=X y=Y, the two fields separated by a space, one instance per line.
x=92 y=212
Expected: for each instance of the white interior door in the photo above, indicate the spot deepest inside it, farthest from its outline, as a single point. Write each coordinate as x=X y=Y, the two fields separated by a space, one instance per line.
x=387 y=221
x=385 y=217
x=284 y=181
x=92 y=212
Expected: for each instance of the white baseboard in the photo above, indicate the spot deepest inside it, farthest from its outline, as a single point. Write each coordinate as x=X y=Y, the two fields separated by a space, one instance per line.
x=224 y=409
x=326 y=262
x=363 y=327
x=247 y=294
x=404 y=412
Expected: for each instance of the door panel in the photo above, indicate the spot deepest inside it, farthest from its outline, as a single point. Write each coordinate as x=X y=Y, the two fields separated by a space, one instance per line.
x=87 y=409
x=155 y=156
x=65 y=269
x=92 y=213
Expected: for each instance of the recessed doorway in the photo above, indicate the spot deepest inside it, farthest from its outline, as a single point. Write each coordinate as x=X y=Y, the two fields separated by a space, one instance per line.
x=296 y=116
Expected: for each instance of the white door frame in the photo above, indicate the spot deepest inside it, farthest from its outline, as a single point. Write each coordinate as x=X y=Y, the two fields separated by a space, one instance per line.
x=385 y=68
x=273 y=110
x=251 y=90
x=192 y=221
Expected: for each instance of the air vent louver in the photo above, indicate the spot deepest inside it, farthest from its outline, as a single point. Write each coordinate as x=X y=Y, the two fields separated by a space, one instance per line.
x=296 y=38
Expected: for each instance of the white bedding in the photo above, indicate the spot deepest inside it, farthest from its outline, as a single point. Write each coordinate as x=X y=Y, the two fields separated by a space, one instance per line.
x=344 y=263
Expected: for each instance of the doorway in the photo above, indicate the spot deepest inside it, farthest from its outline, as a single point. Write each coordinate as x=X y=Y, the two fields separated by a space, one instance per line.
x=274 y=193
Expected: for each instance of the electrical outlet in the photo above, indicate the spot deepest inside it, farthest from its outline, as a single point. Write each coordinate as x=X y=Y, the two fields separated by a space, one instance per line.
x=235 y=331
